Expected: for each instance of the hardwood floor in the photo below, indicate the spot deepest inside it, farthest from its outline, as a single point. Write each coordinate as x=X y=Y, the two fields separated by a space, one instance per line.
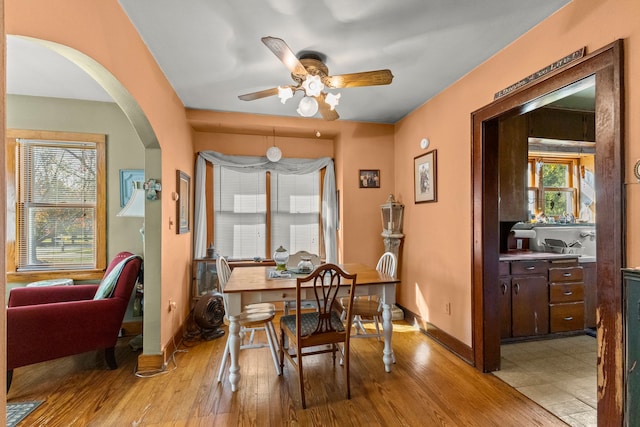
x=428 y=386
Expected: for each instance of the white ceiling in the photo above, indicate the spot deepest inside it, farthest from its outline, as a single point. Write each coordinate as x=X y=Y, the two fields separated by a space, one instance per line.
x=210 y=50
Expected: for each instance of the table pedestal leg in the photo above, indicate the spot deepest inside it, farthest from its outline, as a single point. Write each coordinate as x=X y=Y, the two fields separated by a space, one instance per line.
x=234 y=349
x=387 y=356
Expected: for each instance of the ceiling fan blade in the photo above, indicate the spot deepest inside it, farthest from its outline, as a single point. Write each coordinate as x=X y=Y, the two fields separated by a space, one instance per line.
x=285 y=54
x=325 y=109
x=257 y=95
x=366 y=78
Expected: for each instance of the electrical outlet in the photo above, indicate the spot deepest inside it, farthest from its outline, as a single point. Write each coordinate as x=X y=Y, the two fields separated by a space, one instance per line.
x=172 y=305
x=447 y=308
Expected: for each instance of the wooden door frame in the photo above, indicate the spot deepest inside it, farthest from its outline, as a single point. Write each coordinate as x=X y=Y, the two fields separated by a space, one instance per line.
x=607 y=66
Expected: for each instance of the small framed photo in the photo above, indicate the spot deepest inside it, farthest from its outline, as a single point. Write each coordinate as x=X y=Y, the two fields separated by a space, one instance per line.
x=127 y=178
x=183 y=187
x=369 y=178
x=425 y=176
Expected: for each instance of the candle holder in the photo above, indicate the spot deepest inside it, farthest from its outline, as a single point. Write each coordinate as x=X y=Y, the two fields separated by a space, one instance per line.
x=392 y=213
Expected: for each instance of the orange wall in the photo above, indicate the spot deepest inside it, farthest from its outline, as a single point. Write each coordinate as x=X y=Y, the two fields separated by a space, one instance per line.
x=102 y=31
x=352 y=145
x=438 y=243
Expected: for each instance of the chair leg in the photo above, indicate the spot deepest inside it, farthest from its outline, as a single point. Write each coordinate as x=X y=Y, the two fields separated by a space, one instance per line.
x=377 y=322
x=252 y=336
x=346 y=369
x=223 y=362
x=357 y=324
x=281 y=351
x=110 y=357
x=272 y=345
x=301 y=379
x=9 y=379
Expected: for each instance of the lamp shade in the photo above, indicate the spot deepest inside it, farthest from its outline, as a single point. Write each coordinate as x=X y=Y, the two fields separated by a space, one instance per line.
x=308 y=106
x=284 y=93
x=135 y=205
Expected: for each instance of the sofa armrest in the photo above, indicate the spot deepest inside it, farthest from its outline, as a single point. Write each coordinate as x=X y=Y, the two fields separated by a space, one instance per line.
x=42 y=332
x=50 y=294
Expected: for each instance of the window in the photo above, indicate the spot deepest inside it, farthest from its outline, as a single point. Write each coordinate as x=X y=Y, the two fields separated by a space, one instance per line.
x=255 y=212
x=295 y=212
x=553 y=186
x=240 y=213
x=59 y=202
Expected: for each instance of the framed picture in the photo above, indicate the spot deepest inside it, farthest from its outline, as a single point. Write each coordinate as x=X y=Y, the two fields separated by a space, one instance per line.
x=425 y=176
x=127 y=177
x=183 y=186
x=369 y=178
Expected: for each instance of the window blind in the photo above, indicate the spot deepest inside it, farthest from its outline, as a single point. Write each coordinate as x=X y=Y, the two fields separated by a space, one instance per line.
x=295 y=211
x=240 y=213
x=56 y=212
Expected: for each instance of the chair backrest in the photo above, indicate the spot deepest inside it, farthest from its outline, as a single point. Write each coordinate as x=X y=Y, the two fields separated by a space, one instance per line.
x=326 y=280
x=387 y=264
x=224 y=271
x=295 y=258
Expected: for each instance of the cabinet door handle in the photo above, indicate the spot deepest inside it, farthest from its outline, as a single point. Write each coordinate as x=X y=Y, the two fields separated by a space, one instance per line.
x=568 y=318
x=504 y=289
x=567 y=274
x=517 y=288
x=531 y=267
x=568 y=293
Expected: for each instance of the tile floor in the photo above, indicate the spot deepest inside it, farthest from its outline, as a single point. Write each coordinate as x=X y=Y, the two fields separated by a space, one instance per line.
x=558 y=374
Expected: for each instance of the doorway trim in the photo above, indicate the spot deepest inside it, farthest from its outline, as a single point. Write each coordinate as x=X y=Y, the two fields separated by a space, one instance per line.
x=607 y=65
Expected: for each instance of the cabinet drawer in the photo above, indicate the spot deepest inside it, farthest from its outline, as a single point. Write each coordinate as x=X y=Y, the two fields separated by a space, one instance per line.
x=565 y=274
x=566 y=317
x=566 y=292
x=503 y=268
x=529 y=267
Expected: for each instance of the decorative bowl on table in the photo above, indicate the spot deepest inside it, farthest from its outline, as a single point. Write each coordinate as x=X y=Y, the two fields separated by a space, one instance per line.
x=305 y=265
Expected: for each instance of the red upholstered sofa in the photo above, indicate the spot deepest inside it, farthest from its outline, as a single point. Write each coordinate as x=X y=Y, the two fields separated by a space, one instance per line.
x=45 y=323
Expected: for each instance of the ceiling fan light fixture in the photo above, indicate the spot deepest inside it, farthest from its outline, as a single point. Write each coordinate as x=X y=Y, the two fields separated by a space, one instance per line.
x=332 y=100
x=284 y=93
x=308 y=107
x=313 y=86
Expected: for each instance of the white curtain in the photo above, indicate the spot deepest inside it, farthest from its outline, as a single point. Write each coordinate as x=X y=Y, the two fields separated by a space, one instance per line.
x=286 y=166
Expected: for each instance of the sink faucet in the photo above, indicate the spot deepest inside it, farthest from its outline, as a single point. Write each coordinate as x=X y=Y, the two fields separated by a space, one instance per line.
x=590 y=234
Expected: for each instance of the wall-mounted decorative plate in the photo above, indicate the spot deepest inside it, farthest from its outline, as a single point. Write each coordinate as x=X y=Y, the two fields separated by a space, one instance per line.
x=636 y=170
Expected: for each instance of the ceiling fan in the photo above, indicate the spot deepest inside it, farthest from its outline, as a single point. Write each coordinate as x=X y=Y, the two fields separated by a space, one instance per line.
x=311 y=76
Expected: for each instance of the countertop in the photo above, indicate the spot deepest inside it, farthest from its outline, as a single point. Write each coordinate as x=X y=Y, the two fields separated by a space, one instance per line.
x=533 y=255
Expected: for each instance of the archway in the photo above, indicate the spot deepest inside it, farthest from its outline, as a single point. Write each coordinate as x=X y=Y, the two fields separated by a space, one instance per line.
x=153 y=168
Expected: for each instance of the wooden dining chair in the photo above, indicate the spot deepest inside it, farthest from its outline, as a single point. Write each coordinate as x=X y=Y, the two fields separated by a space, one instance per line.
x=367 y=309
x=294 y=259
x=319 y=331
x=253 y=318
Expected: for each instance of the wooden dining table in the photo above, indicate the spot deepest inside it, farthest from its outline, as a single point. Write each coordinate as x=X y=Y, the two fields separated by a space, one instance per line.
x=249 y=285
